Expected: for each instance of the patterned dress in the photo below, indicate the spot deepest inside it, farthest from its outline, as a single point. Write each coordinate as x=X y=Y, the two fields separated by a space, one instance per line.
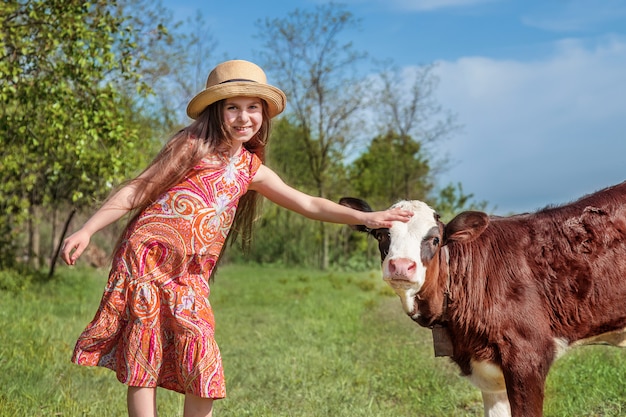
x=155 y=326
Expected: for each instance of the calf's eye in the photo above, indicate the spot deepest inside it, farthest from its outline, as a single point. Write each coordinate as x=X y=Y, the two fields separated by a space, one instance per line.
x=435 y=241
x=380 y=236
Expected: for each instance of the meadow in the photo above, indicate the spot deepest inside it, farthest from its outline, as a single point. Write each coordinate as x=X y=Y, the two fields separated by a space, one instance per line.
x=295 y=342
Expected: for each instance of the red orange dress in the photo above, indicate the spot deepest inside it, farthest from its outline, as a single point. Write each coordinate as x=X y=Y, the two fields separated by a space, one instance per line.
x=155 y=325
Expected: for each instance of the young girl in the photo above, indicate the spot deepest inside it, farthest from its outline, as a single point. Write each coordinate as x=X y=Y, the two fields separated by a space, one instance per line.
x=155 y=326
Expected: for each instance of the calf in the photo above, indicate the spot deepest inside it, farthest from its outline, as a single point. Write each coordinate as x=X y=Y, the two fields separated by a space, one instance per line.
x=512 y=294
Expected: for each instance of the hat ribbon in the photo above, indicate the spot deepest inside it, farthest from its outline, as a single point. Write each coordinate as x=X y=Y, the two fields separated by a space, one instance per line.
x=236 y=80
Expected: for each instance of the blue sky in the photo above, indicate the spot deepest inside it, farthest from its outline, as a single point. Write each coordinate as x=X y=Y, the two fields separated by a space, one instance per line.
x=538 y=85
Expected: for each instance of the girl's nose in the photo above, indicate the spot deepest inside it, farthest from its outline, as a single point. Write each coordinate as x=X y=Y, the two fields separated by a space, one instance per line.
x=243 y=116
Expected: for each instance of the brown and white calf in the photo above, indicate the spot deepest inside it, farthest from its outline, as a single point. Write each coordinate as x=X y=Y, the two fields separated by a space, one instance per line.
x=512 y=294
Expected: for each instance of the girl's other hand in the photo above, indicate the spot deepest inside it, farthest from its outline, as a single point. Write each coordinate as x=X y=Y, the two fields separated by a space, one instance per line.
x=74 y=246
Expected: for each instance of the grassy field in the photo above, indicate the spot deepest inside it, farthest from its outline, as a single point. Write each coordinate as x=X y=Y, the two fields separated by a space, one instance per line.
x=294 y=343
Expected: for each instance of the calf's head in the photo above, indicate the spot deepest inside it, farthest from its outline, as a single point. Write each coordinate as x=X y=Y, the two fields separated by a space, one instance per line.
x=413 y=261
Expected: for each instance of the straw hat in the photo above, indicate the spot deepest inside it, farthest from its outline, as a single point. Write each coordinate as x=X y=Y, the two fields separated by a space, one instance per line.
x=233 y=79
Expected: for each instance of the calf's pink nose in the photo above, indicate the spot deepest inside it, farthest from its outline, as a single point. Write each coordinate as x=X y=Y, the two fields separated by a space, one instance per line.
x=402 y=268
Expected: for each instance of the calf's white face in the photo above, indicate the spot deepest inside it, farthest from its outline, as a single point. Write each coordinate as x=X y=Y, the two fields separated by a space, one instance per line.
x=403 y=266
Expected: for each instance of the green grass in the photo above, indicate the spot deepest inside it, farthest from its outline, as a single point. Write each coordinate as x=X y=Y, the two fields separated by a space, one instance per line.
x=294 y=343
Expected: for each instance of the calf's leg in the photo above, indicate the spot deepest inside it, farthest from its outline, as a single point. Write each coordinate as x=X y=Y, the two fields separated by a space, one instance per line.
x=496 y=404
x=525 y=379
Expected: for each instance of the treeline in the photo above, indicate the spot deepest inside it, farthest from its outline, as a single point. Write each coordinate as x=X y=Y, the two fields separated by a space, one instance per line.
x=91 y=90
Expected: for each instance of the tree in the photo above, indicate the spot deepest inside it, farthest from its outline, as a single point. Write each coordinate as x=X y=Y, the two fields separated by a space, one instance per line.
x=175 y=59
x=404 y=102
x=67 y=131
x=451 y=200
x=319 y=76
x=401 y=162
x=393 y=167
x=415 y=114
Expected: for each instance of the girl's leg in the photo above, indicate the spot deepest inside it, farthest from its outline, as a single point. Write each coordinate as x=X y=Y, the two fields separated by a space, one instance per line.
x=198 y=406
x=141 y=402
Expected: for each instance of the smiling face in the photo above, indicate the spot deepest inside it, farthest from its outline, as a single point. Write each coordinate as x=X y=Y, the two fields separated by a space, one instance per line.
x=243 y=117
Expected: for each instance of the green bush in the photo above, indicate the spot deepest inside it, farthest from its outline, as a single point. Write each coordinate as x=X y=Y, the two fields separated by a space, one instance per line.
x=15 y=280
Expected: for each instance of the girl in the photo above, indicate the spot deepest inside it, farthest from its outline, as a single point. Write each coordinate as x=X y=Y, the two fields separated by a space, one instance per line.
x=155 y=326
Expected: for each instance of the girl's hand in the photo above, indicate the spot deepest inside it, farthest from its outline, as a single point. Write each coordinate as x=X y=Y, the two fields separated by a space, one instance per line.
x=384 y=219
x=74 y=246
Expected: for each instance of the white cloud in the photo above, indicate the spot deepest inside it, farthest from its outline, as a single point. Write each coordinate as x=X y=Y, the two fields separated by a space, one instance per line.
x=538 y=132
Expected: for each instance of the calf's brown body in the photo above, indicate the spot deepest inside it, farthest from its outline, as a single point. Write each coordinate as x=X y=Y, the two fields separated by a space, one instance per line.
x=513 y=292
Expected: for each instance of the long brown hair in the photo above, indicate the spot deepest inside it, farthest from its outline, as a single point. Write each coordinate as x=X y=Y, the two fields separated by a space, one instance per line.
x=183 y=151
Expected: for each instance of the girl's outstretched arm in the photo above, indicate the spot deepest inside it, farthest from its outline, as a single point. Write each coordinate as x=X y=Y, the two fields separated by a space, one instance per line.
x=270 y=185
x=113 y=209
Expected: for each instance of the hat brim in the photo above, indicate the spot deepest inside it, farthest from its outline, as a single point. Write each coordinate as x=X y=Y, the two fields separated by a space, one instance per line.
x=273 y=96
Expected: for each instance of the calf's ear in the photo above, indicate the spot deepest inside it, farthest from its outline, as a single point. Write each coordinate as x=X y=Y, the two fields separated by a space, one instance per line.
x=466 y=226
x=357 y=204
